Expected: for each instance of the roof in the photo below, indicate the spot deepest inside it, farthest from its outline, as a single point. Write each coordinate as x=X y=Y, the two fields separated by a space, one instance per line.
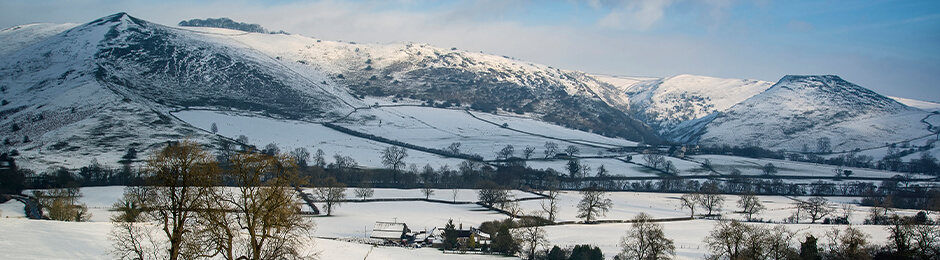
x=389 y=230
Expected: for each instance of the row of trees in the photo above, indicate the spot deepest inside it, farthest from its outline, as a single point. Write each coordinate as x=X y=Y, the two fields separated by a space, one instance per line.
x=185 y=213
x=734 y=240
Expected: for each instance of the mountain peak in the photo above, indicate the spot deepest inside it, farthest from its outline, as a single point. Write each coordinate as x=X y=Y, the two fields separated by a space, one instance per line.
x=121 y=17
x=834 y=91
x=815 y=80
x=800 y=108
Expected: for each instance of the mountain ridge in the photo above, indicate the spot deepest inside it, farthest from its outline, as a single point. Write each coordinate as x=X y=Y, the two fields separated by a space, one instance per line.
x=110 y=84
x=800 y=109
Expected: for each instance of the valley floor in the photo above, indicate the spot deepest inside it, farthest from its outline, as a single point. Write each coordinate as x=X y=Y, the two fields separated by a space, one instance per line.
x=42 y=239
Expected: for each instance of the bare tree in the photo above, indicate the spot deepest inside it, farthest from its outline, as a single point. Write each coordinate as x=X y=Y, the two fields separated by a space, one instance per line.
x=344 y=162
x=364 y=191
x=655 y=161
x=454 y=148
x=850 y=243
x=427 y=191
x=585 y=169
x=646 y=240
x=551 y=149
x=214 y=128
x=506 y=153
x=750 y=205
x=454 y=193
x=129 y=239
x=319 y=159
x=531 y=237
x=491 y=193
x=512 y=207
x=925 y=240
x=728 y=240
x=777 y=243
x=393 y=157
x=710 y=199
x=594 y=203
x=690 y=200
x=847 y=210
x=551 y=206
x=670 y=168
x=528 y=151
x=816 y=208
x=572 y=150
x=331 y=193
x=183 y=177
x=301 y=156
x=257 y=219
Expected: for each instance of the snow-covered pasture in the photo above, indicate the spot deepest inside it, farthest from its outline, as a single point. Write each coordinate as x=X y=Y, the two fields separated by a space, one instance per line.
x=613 y=166
x=289 y=135
x=31 y=239
x=438 y=128
x=463 y=195
x=753 y=167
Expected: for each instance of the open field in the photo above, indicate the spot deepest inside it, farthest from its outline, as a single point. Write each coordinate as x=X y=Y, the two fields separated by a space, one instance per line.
x=29 y=239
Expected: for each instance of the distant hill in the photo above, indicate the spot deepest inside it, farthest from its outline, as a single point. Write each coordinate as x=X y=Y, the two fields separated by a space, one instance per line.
x=224 y=23
x=799 y=110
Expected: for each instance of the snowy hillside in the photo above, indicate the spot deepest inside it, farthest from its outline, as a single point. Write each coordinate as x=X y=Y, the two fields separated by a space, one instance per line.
x=98 y=89
x=925 y=105
x=450 y=77
x=665 y=103
x=800 y=109
x=20 y=36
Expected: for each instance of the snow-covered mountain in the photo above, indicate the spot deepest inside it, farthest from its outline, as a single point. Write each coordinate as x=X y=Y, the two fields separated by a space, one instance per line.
x=457 y=78
x=798 y=110
x=97 y=89
x=101 y=88
x=20 y=36
x=665 y=103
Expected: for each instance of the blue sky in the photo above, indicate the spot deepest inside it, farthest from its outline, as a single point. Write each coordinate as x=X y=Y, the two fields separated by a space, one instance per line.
x=890 y=46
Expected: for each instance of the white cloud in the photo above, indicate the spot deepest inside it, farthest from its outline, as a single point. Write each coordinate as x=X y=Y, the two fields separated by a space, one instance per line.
x=639 y=15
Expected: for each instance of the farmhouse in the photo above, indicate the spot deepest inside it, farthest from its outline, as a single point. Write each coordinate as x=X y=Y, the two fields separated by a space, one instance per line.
x=391 y=231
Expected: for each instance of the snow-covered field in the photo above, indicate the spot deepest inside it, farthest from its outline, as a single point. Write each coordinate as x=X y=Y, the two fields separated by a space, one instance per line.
x=614 y=167
x=438 y=128
x=289 y=135
x=753 y=167
x=36 y=239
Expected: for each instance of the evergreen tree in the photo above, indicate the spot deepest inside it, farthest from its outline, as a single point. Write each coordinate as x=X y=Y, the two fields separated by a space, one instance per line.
x=809 y=250
x=556 y=254
x=450 y=235
x=586 y=252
